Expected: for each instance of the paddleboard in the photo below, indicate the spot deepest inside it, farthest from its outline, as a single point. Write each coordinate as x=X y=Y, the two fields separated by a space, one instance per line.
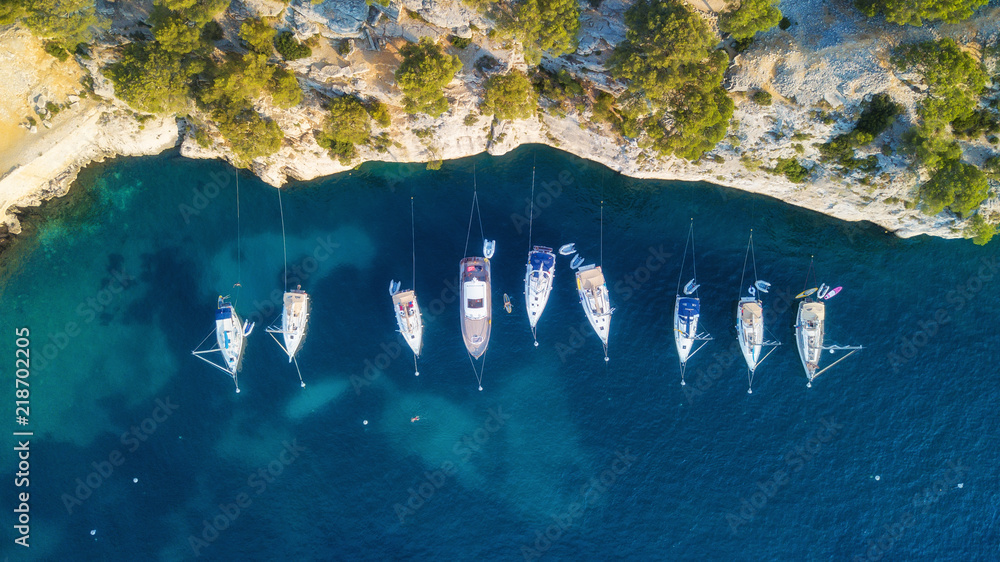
x=567 y=249
x=805 y=293
x=832 y=293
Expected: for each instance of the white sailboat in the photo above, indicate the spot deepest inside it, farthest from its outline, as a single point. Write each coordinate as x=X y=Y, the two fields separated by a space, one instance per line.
x=230 y=339
x=810 y=332
x=540 y=272
x=593 y=291
x=294 y=319
x=404 y=303
x=475 y=293
x=687 y=312
x=750 y=320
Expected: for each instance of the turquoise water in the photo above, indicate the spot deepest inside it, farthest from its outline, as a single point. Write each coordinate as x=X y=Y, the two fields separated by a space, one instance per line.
x=891 y=455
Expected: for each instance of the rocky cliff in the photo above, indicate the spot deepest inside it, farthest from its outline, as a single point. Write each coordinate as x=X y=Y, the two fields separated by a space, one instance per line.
x=818 y=71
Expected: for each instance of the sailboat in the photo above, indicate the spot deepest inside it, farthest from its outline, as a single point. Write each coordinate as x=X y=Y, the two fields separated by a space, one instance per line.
x=230 y=331
x=540 y=272
x=750 y=320
x=687 y=311
x=405 y=307
x=593 y=291
x=294 y=318
x=475 y=288
x=230 y=338
x=810 y=331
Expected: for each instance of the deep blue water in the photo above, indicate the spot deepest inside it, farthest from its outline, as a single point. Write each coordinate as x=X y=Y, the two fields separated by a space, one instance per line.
x=117 y=283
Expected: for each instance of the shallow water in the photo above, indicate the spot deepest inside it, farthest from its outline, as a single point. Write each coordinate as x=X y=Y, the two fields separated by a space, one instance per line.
x=136 y=255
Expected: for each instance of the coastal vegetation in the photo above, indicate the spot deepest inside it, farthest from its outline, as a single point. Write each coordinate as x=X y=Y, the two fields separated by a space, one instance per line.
x=425 y=71
x=675 y=101
x=957 y=185
x=347 y=125
x=509 y=96
x=877 y=114
x=749 y=17
x=916 y=12
x=548 y=26
x=64 y=23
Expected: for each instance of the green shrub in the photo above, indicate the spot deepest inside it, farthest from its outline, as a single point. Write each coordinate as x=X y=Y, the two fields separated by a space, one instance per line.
x=929 y=147
x=380 y=113
x=761 y=97
x=460 y=42
x=201 y=137
x=877 y=114
x=980 y=230
x=422 y=76
x=285 y=89
x=150 y=79
x=348 y=124
x=961 y=187
x=173 y=32
x=212 y=32
x=249 y=134
x=791 y=169
x=991 y=167
x=975 y=124
x=509 y=96
x=674 y=98
x=912 y=12
x=56 y=50
x=470 y=120
x=953 y=77
x=344 y=47
x=258 y=35
x=548 y=26
x=289 y=48
x=750 y=18
x=434 y=164
x=63 y=22
x=52 y=108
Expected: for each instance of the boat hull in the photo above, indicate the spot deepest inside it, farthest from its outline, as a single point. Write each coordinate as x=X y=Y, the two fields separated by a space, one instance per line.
x=409 y=319
x=687 y=310
x=750 y=329
x=477 y=304
x=538 y=281
x=294 y=321
x=229 y=336
x=593 y=293
x=810 y=325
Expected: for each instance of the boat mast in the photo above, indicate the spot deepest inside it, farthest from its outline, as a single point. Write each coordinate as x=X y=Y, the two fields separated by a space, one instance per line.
x=475 y=211
x=413 y=265
x=531 y=220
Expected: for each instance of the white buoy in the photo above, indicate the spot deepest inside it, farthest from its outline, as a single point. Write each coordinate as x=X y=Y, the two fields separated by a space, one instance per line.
x=749 y=391
x=480 y=388
x=416 y=373
x=878 y=477
x=682 y=382
x=303 y=384
x=135 y=480
x=961 y=485
x=365 y=422
x=809 y=385
x=237 y=391
x=536 y=344
x=93 y=532
x=606 y=359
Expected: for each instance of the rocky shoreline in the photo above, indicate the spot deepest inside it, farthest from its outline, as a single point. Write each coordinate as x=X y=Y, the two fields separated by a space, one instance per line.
x=827 y=67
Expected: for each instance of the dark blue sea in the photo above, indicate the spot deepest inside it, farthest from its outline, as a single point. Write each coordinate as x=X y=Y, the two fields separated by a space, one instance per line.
x=140 y=451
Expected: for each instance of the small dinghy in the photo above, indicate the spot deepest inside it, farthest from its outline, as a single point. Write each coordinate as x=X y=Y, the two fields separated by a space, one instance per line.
x=489 y=247
x=821 y=292
x=577 y=262
x=394 y=287
x=691 y=287
x=762 y=286
x=567 y=249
